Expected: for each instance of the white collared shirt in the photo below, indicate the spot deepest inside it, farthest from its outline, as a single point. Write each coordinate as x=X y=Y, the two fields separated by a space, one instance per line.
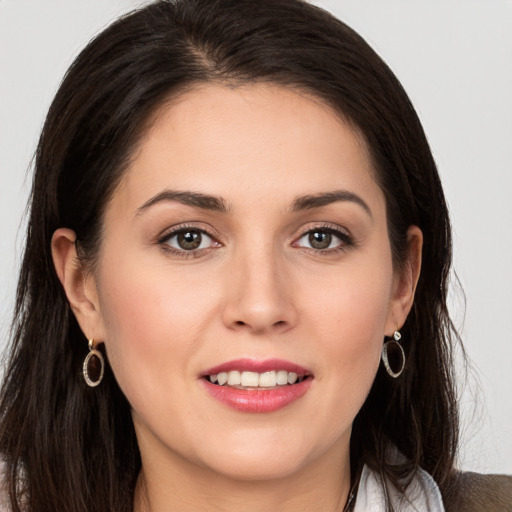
x=422 y=495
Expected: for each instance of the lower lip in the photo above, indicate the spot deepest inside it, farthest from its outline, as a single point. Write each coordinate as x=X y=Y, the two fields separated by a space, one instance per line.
x=258 y=400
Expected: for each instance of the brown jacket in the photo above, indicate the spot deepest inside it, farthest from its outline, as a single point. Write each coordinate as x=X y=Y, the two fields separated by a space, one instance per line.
x=473 y=492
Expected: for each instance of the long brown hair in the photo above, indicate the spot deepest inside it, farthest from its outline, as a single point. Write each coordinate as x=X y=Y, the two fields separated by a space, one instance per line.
x=69 y=447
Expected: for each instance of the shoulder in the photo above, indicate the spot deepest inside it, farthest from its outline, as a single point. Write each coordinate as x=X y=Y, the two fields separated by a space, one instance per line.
x=474 y=492
x=421 y=494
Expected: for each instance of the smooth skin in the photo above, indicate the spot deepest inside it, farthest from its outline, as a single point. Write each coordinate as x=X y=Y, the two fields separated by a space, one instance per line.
x=288 y=257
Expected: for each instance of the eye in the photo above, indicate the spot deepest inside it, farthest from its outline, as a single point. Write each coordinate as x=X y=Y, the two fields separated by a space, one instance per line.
x=324 y=239
x=189 y=239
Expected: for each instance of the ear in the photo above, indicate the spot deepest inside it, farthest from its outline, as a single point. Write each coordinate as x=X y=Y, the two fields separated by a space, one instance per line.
x=406 y=280
x=79 y=286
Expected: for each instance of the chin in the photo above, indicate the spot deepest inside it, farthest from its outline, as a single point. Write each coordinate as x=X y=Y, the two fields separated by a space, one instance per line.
x=254 y=469
x=260 y=461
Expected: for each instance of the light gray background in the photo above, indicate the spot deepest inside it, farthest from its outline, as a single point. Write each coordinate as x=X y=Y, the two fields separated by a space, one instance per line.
x=454 y=58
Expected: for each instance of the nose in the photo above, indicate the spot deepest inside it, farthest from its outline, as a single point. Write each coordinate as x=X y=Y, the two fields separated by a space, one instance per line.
x=260 y=298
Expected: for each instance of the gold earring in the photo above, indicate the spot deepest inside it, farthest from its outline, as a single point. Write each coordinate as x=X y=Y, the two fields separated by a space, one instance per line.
x=94 y=366
x=394 y=345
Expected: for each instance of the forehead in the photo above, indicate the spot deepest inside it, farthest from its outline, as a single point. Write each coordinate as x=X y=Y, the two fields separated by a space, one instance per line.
x=259 y=138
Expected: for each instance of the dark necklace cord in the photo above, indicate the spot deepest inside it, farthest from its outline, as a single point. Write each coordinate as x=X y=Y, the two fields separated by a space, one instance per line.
x=351 y=499
x=349 y=506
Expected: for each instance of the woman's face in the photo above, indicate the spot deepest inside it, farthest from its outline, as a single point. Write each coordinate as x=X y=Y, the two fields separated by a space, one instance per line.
x=248 y=235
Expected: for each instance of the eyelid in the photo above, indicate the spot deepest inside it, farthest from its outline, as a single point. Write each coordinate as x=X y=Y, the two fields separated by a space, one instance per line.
x=172 y=231
x=196 y=226
x=345 y=237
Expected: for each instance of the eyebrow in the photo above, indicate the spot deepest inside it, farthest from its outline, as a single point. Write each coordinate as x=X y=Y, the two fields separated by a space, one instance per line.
x=195 y=199
x=218 y=204
x=311 y=201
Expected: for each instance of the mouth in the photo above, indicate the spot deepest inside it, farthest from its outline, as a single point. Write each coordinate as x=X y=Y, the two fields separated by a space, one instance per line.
x=254 y=380
x=257 y=386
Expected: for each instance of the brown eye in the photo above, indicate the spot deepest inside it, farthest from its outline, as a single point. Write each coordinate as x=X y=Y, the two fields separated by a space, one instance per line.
x=320 y=239
x=324 y=239
x=188 y=240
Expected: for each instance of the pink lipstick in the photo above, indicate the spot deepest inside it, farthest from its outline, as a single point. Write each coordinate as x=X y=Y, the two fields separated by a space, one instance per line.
x=254 y=386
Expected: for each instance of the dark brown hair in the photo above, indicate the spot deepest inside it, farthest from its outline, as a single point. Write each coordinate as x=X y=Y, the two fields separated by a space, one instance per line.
x=69 y=447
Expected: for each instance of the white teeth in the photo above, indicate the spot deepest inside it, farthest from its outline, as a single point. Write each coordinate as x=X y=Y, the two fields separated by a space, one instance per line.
x=268 y=379
x=234 y=378
x=282 y=377
x=249 y=379
x=292 y=378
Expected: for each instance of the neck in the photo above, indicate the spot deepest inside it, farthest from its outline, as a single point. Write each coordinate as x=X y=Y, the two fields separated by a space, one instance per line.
x=322 y=485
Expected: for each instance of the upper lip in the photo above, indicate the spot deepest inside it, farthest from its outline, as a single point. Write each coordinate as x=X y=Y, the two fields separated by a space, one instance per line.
x=252 y=365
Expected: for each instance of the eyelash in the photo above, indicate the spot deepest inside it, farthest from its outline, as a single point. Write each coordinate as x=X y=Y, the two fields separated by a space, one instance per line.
x=183 y=253
x=345 y=240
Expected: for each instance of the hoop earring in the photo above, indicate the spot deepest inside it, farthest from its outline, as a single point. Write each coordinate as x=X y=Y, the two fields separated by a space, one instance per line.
x=93 y=367
x=398 y=349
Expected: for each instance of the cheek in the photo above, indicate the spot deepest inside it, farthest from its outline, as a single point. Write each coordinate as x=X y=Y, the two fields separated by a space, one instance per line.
x=153 y=322
x=348 y=321
x=351 y=305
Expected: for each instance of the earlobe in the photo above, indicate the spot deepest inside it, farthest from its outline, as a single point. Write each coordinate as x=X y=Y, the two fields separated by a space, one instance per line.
x=80 y=289
x=407 y=280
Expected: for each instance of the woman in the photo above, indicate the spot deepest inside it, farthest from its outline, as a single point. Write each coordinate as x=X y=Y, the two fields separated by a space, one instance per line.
x=235 y=217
